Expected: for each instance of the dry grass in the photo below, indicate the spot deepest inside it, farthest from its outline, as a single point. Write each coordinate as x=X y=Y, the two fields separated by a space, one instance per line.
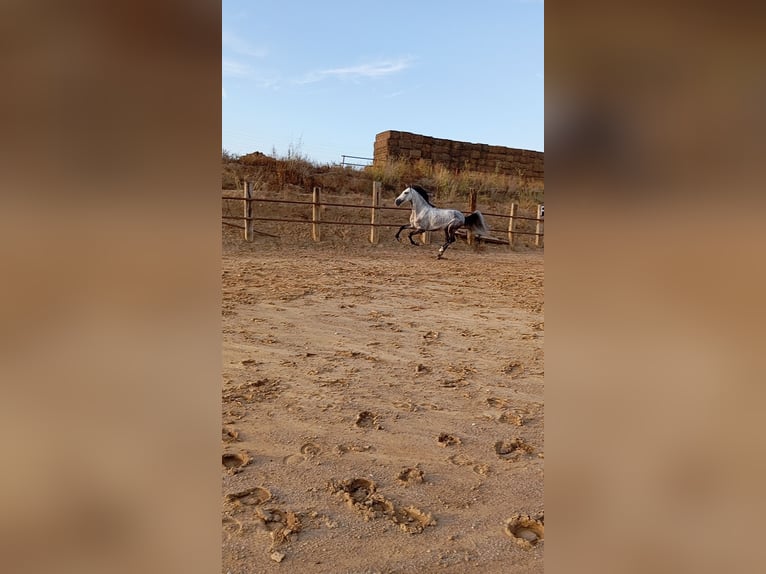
x=451 y=185
x=296 y=171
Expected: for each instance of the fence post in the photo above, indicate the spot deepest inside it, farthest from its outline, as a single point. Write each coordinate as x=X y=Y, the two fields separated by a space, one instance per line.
x=248 y=211
x=315 y=217
x=471 y=208
x=539 y=226
x=375 y=215
x=514 y=207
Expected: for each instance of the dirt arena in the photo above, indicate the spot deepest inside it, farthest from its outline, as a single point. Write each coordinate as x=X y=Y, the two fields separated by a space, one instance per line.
x=382 y=410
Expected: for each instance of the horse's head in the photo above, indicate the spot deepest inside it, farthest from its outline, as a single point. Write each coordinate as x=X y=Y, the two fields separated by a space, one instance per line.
x=414 y=193
x=406 y=195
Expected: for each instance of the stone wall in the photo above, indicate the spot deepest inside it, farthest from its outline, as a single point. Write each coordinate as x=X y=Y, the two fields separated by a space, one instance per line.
x=459 y=155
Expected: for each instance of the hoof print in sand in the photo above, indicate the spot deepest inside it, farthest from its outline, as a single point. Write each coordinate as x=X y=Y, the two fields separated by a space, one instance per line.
x=511 y=418
x=498 y=403
x=233 y=462
x=250 y=497
x=294 y=459
x=514 y=369
x=234 y=413
x=238 y=502
x=460 y=460
x=252 y=391
x=229 y=435
x=361 y=495
x=412 y=520
x=280 y=524
x=524 y=530
x=453 y=383
x=513 y=449
x=349 y=447
x=410 y=476
x=354 y=491
x=446 y=439
x=231 y=526
x=310 y=449
x=366 y=420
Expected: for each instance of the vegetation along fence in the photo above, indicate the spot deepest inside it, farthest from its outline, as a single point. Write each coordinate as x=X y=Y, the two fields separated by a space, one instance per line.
x=249 y=217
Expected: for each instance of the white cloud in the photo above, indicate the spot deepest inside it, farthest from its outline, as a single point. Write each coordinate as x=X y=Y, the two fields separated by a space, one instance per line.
x=268 y=83
x=240 y=46
x=371 y=70
x=232 y=68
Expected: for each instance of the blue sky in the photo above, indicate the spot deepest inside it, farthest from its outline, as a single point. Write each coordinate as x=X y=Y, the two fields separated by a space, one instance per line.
x=325 y=76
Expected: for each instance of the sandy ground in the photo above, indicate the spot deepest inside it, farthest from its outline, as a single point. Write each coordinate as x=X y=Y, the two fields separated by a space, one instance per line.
x=382 y=410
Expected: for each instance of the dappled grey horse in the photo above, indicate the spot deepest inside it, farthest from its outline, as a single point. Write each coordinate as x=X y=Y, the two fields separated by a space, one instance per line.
x=427 y=217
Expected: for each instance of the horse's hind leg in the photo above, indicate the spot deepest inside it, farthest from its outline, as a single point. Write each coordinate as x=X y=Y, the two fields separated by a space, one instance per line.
x=449 y=236
x=443 y=248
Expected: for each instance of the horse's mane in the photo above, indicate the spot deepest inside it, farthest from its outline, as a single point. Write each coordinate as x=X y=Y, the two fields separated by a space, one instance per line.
x=423 y=193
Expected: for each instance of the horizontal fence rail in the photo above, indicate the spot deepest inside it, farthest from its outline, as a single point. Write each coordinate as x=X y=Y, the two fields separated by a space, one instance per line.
x=321 y=222
x=248 y=218
x=324 y=203
x=507 y=216
x=344 y=162
x=327 y=204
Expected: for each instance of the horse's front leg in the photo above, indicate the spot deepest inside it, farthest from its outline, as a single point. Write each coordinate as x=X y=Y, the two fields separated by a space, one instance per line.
x=402 y=228
x=416 y=232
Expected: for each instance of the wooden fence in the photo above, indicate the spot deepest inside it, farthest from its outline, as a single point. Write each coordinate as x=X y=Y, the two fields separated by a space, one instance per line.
x=248 y=217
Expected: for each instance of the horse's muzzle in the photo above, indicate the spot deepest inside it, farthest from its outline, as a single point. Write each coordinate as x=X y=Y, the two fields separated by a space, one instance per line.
x=398 y=202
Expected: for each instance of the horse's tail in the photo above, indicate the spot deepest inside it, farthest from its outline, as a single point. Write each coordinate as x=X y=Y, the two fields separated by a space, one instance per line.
x=475 y=222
